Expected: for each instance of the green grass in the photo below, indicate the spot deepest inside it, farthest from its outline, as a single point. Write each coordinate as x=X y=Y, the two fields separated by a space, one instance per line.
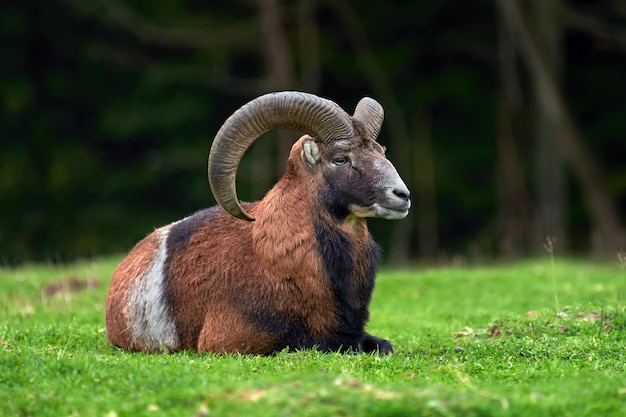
x=468 y=341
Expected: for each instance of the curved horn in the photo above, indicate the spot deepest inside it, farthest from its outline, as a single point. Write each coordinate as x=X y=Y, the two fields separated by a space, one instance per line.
x=318 y=117
x=371 y=113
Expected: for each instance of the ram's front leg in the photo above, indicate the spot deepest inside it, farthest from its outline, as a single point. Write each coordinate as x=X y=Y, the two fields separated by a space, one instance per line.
x=371 y=344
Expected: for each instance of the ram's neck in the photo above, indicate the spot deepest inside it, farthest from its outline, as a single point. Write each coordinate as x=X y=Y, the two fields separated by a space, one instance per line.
x=283 y=234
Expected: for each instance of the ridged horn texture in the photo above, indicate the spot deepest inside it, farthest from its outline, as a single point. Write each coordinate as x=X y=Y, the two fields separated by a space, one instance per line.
x=371 y=114
x=320 y=118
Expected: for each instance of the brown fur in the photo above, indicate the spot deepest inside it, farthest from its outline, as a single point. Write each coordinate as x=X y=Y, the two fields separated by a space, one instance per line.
x=225 y=330
x=201 y=298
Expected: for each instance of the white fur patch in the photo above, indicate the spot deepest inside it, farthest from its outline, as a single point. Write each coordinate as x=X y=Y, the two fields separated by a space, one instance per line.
x=151 y=326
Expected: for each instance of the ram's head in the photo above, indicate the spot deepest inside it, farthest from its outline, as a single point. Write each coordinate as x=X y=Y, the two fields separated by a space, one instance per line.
x=358 y=179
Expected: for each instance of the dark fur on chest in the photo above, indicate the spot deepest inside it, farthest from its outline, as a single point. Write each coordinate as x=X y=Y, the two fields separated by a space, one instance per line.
x=351 y=270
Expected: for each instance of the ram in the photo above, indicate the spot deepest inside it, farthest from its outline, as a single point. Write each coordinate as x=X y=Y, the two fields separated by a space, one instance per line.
x=294 y=270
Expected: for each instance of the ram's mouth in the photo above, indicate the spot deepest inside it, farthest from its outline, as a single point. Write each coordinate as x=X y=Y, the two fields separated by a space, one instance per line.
x=377 y=210
x=394 y=214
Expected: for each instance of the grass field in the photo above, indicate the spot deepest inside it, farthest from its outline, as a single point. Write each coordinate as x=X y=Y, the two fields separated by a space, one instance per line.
x=525 y=339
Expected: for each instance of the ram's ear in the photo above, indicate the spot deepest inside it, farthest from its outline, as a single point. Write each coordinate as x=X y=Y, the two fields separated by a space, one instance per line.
x=311 y=152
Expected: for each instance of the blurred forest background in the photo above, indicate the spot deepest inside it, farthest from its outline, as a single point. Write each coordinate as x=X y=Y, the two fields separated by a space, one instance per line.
x=506 y=118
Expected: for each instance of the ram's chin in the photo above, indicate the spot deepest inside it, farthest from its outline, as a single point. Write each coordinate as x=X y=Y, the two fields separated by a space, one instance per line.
x=378 y=211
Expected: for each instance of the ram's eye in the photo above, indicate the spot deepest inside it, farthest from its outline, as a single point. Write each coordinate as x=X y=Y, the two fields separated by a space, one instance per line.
x=340 y=160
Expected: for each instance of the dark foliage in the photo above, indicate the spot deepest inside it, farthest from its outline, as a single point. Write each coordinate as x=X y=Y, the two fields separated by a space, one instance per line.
x=108 y=110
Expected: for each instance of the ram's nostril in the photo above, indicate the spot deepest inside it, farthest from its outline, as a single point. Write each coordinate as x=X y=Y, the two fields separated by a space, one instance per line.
x=403 y=194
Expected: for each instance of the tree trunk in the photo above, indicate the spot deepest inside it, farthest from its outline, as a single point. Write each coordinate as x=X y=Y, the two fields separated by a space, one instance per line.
x=425 y=189
x=607 y=236
x=514 y=200
x=546 y=28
